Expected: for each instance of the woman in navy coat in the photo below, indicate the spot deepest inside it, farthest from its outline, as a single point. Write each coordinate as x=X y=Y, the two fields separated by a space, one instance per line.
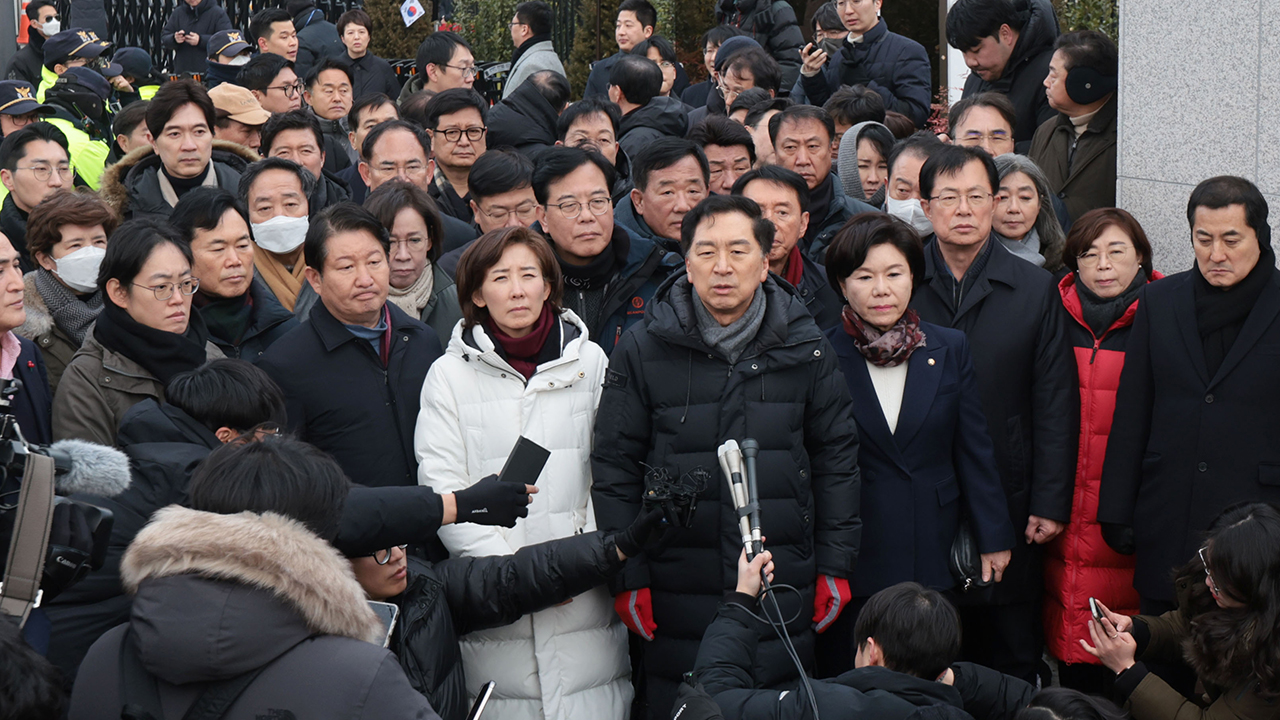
x=925 y=455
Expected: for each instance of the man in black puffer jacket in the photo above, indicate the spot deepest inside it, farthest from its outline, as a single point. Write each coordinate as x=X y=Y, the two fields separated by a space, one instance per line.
x=732 y=354
x=772 y=23
x=317 y=37
x=892 y=65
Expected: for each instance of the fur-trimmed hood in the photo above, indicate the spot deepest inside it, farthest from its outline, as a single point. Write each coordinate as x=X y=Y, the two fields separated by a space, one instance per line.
x=114 y=189
x=39 y=320
x=217 y=595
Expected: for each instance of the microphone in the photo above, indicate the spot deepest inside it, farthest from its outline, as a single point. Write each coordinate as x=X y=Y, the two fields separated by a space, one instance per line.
x=89 y=468
x=731 y=464
x=750 y=449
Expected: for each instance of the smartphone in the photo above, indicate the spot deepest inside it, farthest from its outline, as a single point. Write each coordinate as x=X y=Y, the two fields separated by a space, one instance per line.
x=387 y=613
x=830 y=46
x=1096 y=608
x=525 y=462
x=481 y=700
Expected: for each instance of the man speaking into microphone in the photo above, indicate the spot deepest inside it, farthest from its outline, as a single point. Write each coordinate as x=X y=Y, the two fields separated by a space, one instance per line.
x=727 y=351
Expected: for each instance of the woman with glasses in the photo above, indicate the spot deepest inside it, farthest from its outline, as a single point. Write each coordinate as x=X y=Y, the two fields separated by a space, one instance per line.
x=67 y=238
x=1226 y=627
x=1024 y=220
x=145 y=334
x=418 y=285
x=517 y=366
x=1109 y=259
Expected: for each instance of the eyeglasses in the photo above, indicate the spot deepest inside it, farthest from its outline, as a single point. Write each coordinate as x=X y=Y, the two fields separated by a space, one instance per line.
x=1204 y=558
x=411 y=243
x=976 y=138
x=453 y=135
x=573 y=208
x=1090 y=259
x=665 y=65
x=525 y=212
x=468 y=71
x=382 y=557
x=331 y=90
x=23 y=120
x=289 y=90
x=164 y=291
x=408 y=169
x=975 y=200
x=851 y=3
x=44 y=172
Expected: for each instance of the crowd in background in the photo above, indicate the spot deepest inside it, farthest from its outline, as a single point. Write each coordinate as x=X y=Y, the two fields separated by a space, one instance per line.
x=1007 y=469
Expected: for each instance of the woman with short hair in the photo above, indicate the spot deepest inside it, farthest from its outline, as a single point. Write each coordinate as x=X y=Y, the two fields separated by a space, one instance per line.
x=67 y=238
x=419 y=286
x=926 y=460
x=517 y=366
x=145 y=334
x=1109 y=259
x=1024 y=221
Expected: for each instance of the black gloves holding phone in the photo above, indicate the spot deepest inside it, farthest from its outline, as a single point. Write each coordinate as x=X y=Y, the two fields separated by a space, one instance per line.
x=492 y=502
x=644 y=533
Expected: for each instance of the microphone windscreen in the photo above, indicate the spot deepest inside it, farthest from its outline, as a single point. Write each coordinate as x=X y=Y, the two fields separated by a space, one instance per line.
x=95 y=469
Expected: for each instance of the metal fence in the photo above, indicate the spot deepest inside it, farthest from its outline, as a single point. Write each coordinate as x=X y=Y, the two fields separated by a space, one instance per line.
x=138 y=23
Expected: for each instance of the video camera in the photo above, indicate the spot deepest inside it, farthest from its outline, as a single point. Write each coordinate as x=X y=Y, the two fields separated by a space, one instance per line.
x=49 y=541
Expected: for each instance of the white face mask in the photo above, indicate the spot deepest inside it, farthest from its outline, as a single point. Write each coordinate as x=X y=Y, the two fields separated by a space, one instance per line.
x=51 y=28
x=910 y=211
x=79 y=269
x=239 y=60
x=281 y=234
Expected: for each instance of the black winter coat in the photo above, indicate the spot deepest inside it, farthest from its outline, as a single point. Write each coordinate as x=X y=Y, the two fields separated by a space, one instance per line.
x=669 y=401
x=268 y=323
x=598 y=79
x=206 y=19
x=772 y=23
x=461 y=595
x=28 y=61
x=164 y=445
x=1027 y=380
x=13 y=223
x=330 y=189
x=317 y=39
x=728 y=654
x=1185 y=445
x=661 y=117
x=524 y=120
x=1023 y=78
x=344 y=400
x=825 y=223
x=33 y=405
x=990 y=694
x=372 y=75
x=897 y=67
x=820 y=299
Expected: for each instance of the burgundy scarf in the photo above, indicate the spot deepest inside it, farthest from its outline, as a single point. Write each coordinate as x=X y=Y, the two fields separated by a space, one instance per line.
x=795 y=267
x=522 y=353
x=889 y=348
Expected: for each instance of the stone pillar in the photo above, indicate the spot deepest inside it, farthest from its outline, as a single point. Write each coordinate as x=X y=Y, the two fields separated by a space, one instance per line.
x=1199 y=97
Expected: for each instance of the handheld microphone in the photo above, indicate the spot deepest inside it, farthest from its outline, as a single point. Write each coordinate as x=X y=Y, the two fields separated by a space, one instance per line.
x=750 y=449
x=731 y=464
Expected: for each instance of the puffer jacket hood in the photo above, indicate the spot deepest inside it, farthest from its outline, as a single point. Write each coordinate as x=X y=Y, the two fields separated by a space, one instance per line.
x=666 y=115
x=1037 y=35
x=524 y=120
x=119 y=178
x=219 y=595
x=153 y=422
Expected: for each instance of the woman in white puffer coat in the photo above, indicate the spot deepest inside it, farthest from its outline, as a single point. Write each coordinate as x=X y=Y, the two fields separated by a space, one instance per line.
x=518 y=365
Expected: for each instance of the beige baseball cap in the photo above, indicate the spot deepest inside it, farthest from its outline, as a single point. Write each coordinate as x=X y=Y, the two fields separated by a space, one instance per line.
x=239 y=104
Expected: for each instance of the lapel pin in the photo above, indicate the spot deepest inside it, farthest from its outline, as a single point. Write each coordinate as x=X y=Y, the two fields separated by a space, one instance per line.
x=932 y=361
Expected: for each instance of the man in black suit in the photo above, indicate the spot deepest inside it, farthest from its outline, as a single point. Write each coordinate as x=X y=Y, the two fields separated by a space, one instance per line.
x=1013 y=318
x=1195 y=426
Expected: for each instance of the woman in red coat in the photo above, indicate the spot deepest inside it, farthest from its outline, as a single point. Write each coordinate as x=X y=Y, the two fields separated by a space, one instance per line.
x=1110 y=260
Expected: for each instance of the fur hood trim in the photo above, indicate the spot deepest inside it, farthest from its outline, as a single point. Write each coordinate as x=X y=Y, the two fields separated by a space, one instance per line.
x=267 y=551
x=39 y=320
x=113 y=189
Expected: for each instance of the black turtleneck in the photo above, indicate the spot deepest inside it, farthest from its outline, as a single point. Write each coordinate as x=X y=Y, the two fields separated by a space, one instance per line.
x=585 y=285
x=820 y=199
x=1101 y=313
x=182 y=185
x=1221 y=312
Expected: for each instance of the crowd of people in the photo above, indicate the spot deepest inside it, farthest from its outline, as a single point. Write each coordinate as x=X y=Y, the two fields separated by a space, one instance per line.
x=1006 y=468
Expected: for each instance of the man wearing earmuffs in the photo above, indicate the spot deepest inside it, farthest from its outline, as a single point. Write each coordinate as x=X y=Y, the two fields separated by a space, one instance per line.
x=1077 y=149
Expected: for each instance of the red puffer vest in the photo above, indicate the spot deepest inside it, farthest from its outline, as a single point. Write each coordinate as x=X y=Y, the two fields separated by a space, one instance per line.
x=1079 y=564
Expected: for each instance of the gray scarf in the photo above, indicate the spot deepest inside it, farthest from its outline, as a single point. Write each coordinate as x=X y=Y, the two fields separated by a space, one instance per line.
x=71 y=315
x=413 y=299
x=730 y=340
x=1028 y=248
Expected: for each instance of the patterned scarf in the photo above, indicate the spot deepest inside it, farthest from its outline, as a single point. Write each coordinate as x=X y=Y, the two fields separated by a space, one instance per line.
x=889 y=348
x=413 y=299
x=71 y=315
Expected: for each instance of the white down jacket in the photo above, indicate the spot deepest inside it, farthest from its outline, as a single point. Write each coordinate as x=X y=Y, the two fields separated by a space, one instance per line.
x=567 y=662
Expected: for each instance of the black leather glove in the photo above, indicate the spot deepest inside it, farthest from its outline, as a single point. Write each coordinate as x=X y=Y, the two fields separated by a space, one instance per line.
x=492 y=502
x=644 y=533
x=1118 y=537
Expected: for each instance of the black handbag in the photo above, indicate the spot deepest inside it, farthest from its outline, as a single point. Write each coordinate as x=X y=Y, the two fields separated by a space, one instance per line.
x=965 y=560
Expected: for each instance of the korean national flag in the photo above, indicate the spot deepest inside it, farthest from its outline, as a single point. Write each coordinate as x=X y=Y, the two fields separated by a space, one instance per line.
x=411 y=10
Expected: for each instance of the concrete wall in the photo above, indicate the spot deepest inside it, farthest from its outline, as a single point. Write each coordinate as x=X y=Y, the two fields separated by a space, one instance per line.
x=1199 y=96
